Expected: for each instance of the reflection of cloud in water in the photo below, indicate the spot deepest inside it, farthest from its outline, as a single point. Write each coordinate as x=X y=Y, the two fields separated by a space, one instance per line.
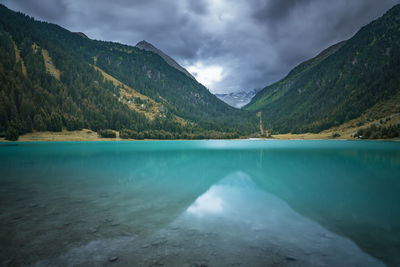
x=209 y=202
x=236 y=207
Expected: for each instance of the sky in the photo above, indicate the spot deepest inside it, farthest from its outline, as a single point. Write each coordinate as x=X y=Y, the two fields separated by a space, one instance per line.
x=227 y=45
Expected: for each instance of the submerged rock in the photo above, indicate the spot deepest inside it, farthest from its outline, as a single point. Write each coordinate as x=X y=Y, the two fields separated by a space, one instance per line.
x=93 y=230
x=288 y=258
x=112 y=259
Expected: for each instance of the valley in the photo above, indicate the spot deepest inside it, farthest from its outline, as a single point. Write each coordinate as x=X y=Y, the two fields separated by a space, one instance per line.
x=53 y=80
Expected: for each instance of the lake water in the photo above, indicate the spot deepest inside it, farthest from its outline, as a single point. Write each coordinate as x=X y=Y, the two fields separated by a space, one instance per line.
x=200 y=203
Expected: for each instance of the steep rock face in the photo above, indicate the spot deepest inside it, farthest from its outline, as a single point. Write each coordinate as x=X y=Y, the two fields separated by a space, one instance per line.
x=81 y=34
x=339 y=84
x=149 y=47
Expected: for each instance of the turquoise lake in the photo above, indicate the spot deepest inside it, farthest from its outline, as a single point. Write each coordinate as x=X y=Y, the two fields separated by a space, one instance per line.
x=200 y=203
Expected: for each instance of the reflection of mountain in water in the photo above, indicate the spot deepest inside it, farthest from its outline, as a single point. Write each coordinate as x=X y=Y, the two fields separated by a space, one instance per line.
x=86 y=192
x=233 y=223
x=351 y=193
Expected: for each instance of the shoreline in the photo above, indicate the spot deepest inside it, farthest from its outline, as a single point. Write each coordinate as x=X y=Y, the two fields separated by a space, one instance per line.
x=88 y=135
x=345 y=131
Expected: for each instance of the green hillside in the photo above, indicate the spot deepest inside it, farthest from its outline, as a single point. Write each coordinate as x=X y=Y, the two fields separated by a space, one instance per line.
x=338 y=85
x=52 y=79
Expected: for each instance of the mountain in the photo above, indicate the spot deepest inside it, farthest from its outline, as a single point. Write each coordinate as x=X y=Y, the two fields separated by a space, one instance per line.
x=52 y=79
x=238 y=99
x=346 y=81
x=149 y=47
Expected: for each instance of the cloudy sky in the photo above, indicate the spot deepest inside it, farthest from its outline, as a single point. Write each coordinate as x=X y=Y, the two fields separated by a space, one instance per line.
x=228 y=45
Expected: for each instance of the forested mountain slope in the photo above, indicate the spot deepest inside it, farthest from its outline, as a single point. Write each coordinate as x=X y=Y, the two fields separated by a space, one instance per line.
x=51 y=79
x=338 y=85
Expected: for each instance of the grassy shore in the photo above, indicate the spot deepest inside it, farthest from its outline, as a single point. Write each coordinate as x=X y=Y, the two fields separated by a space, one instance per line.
x=342 y=132
x=82 y=135
x=87 y=135
x=345 y=131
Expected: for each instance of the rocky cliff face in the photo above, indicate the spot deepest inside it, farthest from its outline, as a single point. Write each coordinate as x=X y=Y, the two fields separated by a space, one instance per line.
x=81 y=34
x=149 y=47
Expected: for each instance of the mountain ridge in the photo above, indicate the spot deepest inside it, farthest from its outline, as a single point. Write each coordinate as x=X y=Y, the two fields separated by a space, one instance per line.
x=144 y=45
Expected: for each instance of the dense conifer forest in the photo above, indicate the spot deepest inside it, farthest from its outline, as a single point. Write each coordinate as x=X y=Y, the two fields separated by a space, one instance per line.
x=52 y=79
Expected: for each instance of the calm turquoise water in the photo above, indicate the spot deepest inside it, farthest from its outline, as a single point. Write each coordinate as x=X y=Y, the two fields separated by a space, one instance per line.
x=188 y=203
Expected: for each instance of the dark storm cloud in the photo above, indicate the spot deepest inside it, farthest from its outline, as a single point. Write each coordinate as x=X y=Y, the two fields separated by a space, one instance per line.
x=276 y=11
x=199 y=6
x=249 y=43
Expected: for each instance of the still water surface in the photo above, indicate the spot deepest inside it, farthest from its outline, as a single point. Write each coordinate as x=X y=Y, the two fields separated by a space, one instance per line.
x=200 y=203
